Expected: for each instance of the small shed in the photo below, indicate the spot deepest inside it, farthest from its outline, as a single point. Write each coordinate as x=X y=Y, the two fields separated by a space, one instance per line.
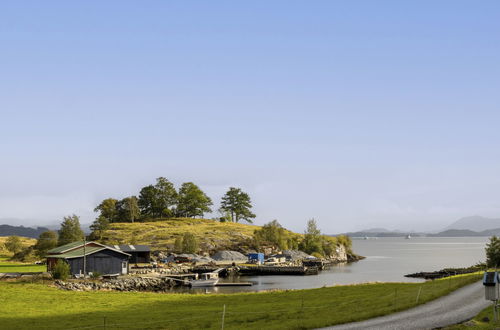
x=139 y=254
x=256 y=258
x=99 y=258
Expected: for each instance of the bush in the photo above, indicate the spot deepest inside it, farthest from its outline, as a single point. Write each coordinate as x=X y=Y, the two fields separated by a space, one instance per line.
x=317 y=255
x=95 y=275
x=61 y=270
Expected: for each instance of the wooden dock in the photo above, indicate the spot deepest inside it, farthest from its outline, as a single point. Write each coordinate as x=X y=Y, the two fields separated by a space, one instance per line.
x=278 y=270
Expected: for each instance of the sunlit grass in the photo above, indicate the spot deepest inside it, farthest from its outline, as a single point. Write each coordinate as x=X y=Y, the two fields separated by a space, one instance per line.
x=26 y=305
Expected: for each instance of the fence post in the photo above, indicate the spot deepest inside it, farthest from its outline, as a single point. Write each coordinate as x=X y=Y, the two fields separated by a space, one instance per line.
x=395 y=298
x=418 y=294
x=104 y=324
x=223 y=315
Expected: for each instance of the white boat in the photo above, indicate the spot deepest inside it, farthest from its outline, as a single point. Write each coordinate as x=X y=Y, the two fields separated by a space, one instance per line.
x=408 y=236
x=205 y=279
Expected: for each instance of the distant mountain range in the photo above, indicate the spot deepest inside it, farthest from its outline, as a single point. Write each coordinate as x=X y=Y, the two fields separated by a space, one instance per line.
x=8 y=230
x=475 y=223
x=464 y=227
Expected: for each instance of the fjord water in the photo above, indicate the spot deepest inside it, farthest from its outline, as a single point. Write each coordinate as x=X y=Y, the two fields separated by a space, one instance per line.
x=387 y=260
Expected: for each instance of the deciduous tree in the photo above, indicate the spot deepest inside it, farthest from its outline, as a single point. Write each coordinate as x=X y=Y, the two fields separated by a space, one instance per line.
x=13 y=244
x=46 y=241
x=127 y=209
x=107 y=209
x=192 y=201
x=157 y=201
x=70 y=230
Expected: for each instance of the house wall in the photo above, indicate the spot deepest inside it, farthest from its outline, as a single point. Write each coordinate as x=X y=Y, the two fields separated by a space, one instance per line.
x=103 y=262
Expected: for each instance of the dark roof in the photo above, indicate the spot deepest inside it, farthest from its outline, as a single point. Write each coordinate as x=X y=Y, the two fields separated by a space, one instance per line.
x=132 y=248
x=65 y=247
x=75 y=250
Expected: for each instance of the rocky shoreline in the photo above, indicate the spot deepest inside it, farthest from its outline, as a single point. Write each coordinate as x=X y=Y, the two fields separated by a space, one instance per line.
x=124 y=284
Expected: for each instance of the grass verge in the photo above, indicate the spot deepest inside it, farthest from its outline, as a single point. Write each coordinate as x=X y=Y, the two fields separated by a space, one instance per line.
x=27 y=306
x=483 y=320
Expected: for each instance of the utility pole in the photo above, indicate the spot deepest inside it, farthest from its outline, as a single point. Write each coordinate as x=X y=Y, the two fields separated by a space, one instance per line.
x=84 y=257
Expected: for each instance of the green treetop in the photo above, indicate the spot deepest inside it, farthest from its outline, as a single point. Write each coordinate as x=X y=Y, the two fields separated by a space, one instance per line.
x=238 y=204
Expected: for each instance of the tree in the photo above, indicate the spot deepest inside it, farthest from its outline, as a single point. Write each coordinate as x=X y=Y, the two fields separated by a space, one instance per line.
x=178 y=244
x=312 y=238
x=192 y=201
x=238 y=204
x=127 y=210
x=493 y=252
x=107 y=209
x=70 y=230
x=61 y=270
x=189 y=243
x=98 y=227
x=272 y=233
x=157 y=201
x=46 y=241
x=13 y=244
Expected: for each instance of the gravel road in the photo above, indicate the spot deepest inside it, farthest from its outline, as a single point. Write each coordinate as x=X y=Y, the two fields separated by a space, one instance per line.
x=460 y=305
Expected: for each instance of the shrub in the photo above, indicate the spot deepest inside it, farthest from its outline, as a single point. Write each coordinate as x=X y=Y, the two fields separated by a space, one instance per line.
x=95 y=275
x=61 y=270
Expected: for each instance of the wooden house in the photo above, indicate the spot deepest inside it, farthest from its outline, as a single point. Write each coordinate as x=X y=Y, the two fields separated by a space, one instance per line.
x=99 y=258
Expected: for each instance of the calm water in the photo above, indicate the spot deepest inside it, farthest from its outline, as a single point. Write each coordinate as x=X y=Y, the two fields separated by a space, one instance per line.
x=387 y=260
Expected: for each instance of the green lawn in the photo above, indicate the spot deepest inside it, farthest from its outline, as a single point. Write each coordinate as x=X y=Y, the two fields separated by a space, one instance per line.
x=18 y=267
x=26 y=306
x=9 y=267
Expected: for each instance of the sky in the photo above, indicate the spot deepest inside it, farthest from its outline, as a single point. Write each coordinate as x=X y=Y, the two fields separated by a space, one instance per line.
x=358 y=114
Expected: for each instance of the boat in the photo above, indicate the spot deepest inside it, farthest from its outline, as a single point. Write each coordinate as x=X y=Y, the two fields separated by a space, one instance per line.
x=408 y=236
x=205 y=279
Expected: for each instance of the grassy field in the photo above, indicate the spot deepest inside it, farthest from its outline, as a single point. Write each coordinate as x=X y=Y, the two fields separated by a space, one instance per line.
x=17 y=267
x=26 y=306
x=162 y=234
x=7 y=266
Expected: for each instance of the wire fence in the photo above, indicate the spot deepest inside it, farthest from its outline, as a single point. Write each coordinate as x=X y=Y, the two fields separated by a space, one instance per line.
x=230 y=315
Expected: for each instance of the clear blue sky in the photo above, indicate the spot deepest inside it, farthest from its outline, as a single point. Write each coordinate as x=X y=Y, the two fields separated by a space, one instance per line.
x=359 y=114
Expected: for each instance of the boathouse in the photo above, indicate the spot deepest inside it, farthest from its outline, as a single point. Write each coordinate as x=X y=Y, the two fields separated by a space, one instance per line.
x=139 y=254
x=99 y=258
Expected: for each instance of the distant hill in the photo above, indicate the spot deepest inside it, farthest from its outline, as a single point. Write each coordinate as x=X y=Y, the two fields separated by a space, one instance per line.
x=467 y=233
x=475 y=223
x=8 y=230
x=367 y=233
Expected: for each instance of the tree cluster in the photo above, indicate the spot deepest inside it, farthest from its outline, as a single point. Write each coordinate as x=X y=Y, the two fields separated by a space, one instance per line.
x=312 y=242
x=163 y=201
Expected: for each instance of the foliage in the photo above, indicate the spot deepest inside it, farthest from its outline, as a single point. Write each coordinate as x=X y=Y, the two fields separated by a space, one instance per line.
x=189 y=243
x=70 y=230
x=274 y=234
x=99 y=227
x=61 y=270
x=28 y=306
x=95 y=275
x=178 y=244
x=192 y=201
x=46 y=241
x=13 y=244
x=313 y=241
x=25 y=255
x=158 y=200
x=238 y=204
x=493 y=252
x=107 y=209
x=127 y=209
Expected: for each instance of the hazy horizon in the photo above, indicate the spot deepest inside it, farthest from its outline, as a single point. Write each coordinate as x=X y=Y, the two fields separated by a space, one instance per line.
x=360 y=115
